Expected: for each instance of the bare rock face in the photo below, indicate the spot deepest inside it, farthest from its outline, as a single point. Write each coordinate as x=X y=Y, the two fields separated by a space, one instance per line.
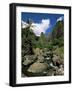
x=38 y=67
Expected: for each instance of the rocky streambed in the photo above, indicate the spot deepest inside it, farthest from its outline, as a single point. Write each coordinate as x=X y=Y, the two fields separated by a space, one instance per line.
x=42 y=63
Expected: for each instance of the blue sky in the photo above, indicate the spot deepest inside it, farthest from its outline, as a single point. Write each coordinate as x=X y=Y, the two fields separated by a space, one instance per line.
x=42 y=21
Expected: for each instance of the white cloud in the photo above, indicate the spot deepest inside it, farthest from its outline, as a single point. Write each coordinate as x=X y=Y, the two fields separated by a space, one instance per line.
x=60 y=19
x=38 y=27
x=41 y=27
x=24 y=24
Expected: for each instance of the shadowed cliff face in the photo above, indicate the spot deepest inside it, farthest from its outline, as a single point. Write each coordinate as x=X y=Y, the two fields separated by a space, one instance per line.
x=58 y=30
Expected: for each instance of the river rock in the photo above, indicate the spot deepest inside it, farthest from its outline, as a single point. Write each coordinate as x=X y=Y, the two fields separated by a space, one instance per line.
x=38 y=51
x=60 y=71
x=57 y=60
x=50 y=73
x=40 y=59
x=38 y=67
x=29 y=59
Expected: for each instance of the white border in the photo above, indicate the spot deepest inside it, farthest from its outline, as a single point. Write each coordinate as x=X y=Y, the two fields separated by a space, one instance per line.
x=19 y=79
